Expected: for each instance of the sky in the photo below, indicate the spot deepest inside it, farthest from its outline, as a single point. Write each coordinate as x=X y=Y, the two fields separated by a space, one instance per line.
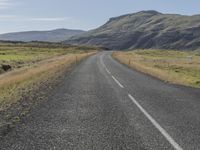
x=26 y=15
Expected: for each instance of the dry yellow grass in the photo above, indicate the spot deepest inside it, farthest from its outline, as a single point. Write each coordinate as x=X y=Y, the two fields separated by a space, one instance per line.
x=173 y=66
x=23 y=55
x=11 y=83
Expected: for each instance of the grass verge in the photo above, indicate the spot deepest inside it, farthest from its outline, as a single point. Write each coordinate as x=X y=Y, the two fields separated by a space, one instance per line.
x=178 y=67
x=23 y=88
x=13 y=83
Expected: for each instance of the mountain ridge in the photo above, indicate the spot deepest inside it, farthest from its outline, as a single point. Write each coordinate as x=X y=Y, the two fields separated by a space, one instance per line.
x=55 y=35
x=145 y=29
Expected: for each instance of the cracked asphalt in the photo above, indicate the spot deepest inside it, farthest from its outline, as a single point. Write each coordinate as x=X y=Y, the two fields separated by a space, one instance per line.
x=91 y=111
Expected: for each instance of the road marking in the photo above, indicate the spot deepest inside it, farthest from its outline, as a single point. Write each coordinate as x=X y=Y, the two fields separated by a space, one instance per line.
x=117 y=82
x=105 y=67
x=102 y=63
x=153 y=121
x=108 y=71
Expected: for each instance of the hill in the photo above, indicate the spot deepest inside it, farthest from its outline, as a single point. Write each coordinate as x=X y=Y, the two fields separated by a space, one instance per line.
x=46 y=36
x=145 y=29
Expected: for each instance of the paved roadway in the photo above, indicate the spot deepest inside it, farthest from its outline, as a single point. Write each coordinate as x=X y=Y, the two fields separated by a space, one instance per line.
x=103 y=105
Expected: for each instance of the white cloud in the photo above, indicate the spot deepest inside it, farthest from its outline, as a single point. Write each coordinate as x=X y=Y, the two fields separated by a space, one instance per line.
x=5 y=4
x=7 y=17
x=33 y=19
x=49 y=19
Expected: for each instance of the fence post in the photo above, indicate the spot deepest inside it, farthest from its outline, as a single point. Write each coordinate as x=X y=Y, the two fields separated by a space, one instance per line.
x=129 y=62
x=76 y=60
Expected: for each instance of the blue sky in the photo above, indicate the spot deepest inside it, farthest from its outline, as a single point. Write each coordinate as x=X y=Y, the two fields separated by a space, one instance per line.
x=24 y=15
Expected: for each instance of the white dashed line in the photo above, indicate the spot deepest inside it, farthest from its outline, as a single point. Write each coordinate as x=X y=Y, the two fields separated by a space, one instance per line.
x=108 y=71
x=102 y=63
x=117 y=82
x=175 y=145
x=153 y=121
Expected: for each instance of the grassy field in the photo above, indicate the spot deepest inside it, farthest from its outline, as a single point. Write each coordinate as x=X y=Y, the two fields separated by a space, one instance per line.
x=33 y=64
x=20 y=55
x=178 y=67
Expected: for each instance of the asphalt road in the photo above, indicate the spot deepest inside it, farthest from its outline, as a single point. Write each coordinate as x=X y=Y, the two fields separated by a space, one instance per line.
x=103 y=105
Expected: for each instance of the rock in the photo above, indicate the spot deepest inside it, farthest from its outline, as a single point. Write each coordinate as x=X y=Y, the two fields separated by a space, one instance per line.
x=6 y=67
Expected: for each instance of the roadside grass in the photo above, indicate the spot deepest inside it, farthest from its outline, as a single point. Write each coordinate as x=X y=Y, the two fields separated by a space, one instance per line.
x=37 y=68
x=14 y=83
x=33 y=65
x=178 y=67
x=20 y=55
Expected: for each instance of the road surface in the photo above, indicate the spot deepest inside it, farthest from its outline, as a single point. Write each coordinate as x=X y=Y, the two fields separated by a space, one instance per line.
x=103 y=105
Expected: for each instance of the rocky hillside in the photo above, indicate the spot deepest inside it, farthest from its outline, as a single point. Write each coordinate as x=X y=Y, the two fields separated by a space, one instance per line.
x=145 y=29
x=46 y=36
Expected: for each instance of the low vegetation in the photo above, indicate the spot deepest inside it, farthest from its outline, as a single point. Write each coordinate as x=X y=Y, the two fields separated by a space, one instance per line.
x=18 y=55
x=179 y=67
x=35 y=69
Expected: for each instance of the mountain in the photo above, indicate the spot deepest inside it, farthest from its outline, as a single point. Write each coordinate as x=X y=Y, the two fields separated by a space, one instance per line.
x=46 y=36
x=145 y=29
